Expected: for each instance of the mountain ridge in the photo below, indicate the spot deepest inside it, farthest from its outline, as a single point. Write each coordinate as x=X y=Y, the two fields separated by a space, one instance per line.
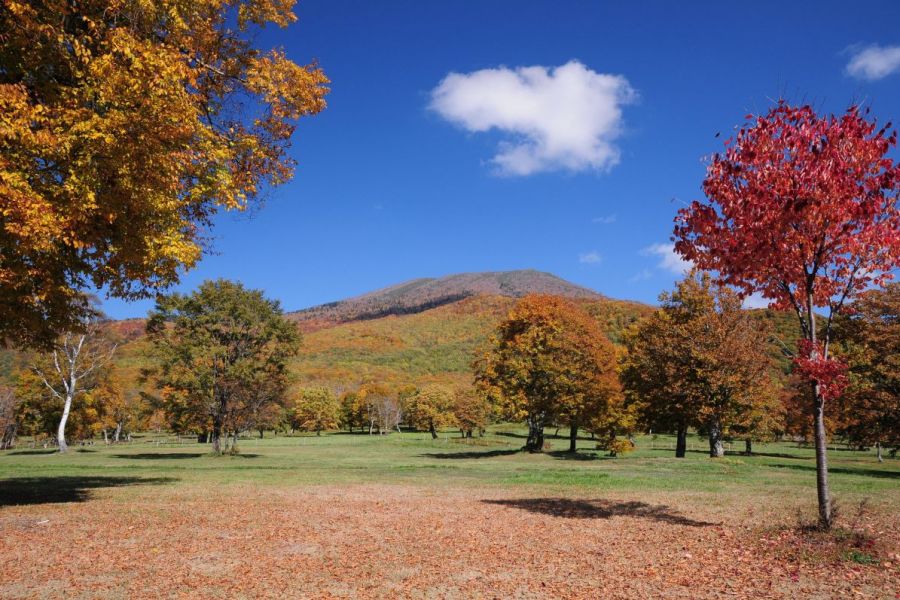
x=421 y=294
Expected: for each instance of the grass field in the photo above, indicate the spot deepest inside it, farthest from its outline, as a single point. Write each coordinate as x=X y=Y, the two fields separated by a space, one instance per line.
x=401 y=515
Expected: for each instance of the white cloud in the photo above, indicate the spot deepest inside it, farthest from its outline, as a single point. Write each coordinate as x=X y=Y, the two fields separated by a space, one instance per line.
x=559 y=118
x=604 y=220
x=590 y=258
x=756 y=301
x=874 y=62
x=669 y=259
x=640 y=276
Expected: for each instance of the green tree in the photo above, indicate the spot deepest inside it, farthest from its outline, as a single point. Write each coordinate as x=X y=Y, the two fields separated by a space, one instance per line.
x=212 y=349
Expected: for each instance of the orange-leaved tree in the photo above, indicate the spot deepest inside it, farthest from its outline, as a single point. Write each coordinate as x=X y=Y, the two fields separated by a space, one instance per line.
x=548 y=360
x=700 y=361
x=124 y=126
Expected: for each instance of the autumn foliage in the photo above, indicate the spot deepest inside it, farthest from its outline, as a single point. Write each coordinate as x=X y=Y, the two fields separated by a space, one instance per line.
x=700 y=361
x=548 y=360
x=125 y=126
x=801 y=208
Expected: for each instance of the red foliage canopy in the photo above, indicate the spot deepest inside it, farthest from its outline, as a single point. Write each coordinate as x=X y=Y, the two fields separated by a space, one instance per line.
x=801 y=208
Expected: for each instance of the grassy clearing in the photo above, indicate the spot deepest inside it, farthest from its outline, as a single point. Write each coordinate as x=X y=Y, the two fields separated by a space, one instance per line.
x=775 y=471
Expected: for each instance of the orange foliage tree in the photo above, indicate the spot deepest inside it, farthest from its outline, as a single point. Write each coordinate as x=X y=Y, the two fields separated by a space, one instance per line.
x=548 y=359
x=869 y=341
x=700 y=361
x=124 y=126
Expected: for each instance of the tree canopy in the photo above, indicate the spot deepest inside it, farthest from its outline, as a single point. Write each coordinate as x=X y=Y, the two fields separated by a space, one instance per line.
x=801 y=208
x=548 y=358
x=700 y=361
x=124 y=126
x=221 y=355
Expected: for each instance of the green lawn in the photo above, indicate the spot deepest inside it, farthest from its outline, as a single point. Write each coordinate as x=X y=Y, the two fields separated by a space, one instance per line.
x=776 y=471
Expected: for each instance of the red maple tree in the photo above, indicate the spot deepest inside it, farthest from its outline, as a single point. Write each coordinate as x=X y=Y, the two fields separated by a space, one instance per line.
x=802 y=209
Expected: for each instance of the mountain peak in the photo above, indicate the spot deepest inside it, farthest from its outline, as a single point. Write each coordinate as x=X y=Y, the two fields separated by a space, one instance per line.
x=418 y=295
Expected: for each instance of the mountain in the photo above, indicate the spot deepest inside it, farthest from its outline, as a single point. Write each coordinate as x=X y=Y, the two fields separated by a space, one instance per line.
x=424 y=294
x=434 y=345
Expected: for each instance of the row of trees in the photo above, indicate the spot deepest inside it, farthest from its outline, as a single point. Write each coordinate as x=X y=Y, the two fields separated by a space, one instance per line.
x=700 y=362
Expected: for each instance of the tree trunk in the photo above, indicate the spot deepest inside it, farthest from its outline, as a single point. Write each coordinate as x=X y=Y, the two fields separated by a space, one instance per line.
x=9 y=437
x=878 y=452
x=681 y=442
x=261 y=434
x=118 y=432
x=573 y=437
x=716 y=449
x=748 y=446
x=535 y=441
x=105 y=437
x=824 y=496
x=433 y=431
x=61 y=430
x=822 y=491
x=217 y=435
x=318 y=432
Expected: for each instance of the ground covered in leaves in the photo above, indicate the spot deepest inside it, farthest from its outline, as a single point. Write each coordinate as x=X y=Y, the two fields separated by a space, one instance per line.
x=389 y=541
x=405 y=516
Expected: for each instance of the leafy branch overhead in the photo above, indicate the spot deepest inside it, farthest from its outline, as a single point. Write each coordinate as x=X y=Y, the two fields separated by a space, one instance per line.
x=124 y=127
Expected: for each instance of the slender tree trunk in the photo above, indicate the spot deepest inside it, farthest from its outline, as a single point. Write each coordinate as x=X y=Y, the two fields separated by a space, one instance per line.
x=535 y=441
x=261 y=433
x=716 y=449
x=118 y=432
x=748 y=446
x=217 y=435
x=824 y=496
x=681 y=442
x=61 y=430
x=573 y=437
x=432 y=430
x=878 y=452
x=318 y=432
x=105 y=437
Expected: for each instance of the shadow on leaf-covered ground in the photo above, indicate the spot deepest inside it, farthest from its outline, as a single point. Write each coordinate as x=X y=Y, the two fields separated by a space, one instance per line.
x=46 y=490
x=599 y=509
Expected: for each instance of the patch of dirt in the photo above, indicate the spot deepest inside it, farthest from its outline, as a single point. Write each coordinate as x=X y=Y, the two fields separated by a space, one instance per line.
x=390 y=541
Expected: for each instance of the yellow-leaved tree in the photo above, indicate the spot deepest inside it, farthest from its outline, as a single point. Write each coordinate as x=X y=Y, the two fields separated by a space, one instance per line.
x=124 y=126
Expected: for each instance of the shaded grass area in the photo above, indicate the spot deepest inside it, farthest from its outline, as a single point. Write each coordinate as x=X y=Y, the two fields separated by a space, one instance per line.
x=780 y=470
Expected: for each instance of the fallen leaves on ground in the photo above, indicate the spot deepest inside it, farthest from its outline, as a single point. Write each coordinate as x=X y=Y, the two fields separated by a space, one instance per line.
x=392 y=541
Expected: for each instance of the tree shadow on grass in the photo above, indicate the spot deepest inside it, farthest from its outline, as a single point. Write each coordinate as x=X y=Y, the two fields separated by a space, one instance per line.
x=579 y=456
x=177 y=455
x=600 y=509
x=859 y=471
x=32 y=452
x=47 y=490
x=766 y=454
x=472 y=454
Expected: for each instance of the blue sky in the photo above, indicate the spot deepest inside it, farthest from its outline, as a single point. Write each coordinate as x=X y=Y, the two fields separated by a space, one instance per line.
x=574 y=167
